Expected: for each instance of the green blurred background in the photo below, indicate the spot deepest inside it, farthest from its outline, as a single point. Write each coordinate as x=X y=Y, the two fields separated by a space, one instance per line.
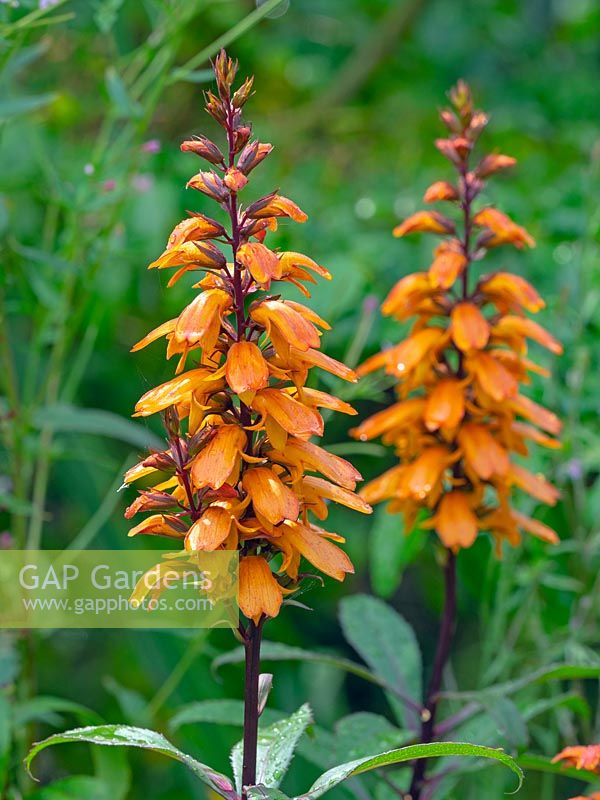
x=95 y=97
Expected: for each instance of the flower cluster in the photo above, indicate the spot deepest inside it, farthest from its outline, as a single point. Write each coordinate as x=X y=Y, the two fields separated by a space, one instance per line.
x=460 y=412
x=239 y=417
x=585 y=757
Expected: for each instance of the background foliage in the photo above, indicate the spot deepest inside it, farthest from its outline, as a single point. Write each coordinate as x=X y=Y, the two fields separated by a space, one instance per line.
x=95 y=98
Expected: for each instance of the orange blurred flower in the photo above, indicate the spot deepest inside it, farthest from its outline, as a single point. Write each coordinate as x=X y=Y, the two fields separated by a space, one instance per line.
x=238 y=413
x=581 y=757
x=460 y=415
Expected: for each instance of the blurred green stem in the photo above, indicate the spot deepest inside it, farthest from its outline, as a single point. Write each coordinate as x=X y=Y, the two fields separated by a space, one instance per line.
x=174 y=679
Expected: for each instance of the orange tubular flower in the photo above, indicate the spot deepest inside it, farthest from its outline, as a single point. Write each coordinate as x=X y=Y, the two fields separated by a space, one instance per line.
x=585 y=757
x=458 y=372
x=237 y=413
x=581 y=757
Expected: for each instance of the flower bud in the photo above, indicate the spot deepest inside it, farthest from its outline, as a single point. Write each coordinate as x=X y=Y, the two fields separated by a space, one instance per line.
x=447 y=148
x=494 y=163
x=461 y=99
x=160 y=461
x=204 y=148
x=450 y=121
x=440 y=190
x=241 y=136
x=477 y=124
x=216 y=108
x=251 y=156
x=243 y=93
x=225 y=72
x=234 y=179
x=209 y=183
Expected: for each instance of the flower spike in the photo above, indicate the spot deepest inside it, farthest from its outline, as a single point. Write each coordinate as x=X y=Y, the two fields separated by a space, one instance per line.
x=237 y=472
x=460 y=414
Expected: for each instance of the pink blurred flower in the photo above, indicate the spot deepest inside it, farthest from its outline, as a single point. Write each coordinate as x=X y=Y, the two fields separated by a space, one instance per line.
x=151 y=146
x=109 y=185
x=6 y=540
x=142 y=183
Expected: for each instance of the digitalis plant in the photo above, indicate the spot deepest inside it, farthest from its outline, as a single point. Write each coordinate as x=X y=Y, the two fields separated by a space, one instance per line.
x=238 y=413
x=237 y=473
x=460 y=414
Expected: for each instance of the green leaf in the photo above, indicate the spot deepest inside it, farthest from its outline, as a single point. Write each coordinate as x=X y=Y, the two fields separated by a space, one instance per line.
x=199 y=76
x=276 y=745
x=363 y=734
x=275 y=651
x=508 y=719
x=132 y=703
x=335 y=776
x=124 y=106
x=49 y=709
x=554 y=672
x=106 y=14
x=389 y=646
x=262 y=793
x=219 y=712
x=73 y=788
x=571 y=700
x=391 y=551
x=127 y=736
x=71 y=419
x=16 y=106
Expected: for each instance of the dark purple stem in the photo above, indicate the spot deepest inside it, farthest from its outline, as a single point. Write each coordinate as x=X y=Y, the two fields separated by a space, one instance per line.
x=252 y=639
x=441 y=658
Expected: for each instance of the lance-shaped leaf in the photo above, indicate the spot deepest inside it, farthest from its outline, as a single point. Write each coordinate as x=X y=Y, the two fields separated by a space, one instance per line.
x=127 y=736
x=335 y=776
x=389 y=646
x=275 y=651
x=276 y=745
x=554 y=672
x=218 y=712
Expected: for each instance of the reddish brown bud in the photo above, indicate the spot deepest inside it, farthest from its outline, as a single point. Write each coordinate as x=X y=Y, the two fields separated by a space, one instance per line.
x=461 y=99
x=147 y=501
x=241 y=136
x=478 y=122
x=450 y=121
x=212 y=255
x=204 y=148
x=258 y=227
x=251 y=156
x=179 y=451
x=200 y=439
x=216 y=108
x=243 y=93
x=161 y=461
x=462 y=145
x=171 y=421
x=234 y=179
x=448 y=149
x=225 y=71
x=209 y=183
x=494 y=163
